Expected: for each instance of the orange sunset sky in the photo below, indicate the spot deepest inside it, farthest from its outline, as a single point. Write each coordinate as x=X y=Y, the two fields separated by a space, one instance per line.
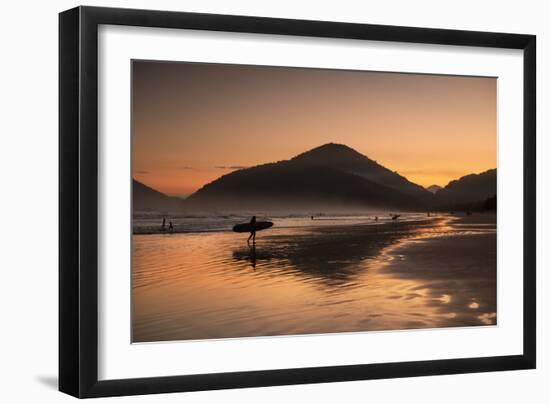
x=194 y=122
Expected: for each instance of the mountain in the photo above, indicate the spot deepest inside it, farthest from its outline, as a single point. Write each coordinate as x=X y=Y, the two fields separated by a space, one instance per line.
x=434 y=189
x=146 y=198
x=348 y=160
x=328 y=177
x=470 y=189
x=331 y=177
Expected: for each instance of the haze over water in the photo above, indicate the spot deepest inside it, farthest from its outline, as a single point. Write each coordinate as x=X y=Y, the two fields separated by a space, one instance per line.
x=316 y=276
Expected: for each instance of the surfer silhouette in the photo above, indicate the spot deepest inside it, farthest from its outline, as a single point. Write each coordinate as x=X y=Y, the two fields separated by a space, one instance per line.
x=171 y=227
x=163 y=226
x=252 y=231
x=252 y=227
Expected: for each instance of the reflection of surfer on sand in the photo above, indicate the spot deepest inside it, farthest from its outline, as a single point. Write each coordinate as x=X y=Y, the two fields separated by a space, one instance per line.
x=253 y=255
x=252 y=230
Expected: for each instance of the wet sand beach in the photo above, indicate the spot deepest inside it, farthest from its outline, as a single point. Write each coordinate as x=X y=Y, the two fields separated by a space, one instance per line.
x=342 y=276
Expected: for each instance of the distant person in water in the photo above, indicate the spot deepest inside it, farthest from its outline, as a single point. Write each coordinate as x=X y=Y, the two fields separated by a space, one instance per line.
x=252 y=231
x=170 y=227
x=163 y=226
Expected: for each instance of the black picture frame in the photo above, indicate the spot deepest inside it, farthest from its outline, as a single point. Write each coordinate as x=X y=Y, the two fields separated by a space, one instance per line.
x=78 y=201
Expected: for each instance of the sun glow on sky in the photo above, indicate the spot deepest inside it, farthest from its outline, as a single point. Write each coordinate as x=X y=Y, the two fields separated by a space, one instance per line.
x=193 y=122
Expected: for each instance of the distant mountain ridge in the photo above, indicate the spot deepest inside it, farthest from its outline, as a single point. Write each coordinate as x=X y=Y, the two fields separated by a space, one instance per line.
x=434 y=189
x=328 y=177
x=469 y=189
x=351 y=161
x=146 y=198
x=286 y=186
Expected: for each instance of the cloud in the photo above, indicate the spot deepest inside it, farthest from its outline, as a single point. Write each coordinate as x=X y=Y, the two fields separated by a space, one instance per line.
x=186 y=168
x=230 y=167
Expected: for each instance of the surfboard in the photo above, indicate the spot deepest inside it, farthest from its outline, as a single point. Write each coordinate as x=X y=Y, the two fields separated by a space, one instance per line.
x=248 y=227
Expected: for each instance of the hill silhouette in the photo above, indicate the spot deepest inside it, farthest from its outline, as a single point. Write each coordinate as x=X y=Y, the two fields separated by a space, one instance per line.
x=434 y=189
x=145 y=198
x=331 y=176
x=346 y=159
x=470 y=189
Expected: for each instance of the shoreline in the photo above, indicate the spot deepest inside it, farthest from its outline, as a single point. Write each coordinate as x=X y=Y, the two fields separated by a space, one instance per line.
x=317 y=223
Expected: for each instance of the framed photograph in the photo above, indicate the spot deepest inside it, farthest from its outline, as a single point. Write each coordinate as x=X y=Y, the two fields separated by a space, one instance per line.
x=251 y=201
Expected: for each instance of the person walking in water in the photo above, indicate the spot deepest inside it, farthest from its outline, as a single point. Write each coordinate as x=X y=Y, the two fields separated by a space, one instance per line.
x=170 y=227
x=163 y=227
x=252 y=231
